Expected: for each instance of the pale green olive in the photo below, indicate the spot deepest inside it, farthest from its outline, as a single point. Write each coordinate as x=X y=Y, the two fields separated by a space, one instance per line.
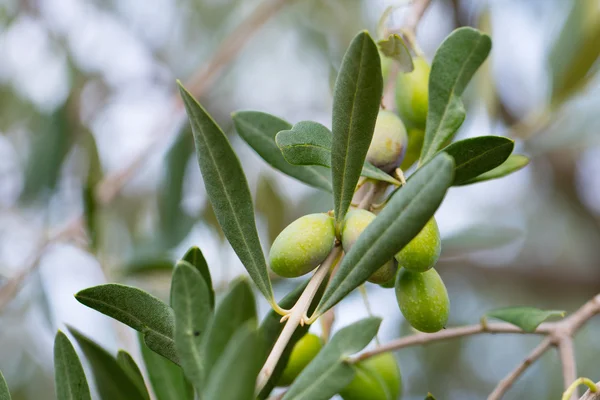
x=416 y=136
x=389 y=142
x=423 y=251
x=412 y=94
x=376 y=378
x=302 y=245
x=355 y=223
x=302 y=354
x=423 y=299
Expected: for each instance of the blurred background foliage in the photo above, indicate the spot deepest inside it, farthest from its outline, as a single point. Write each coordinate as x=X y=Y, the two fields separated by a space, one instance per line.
x=87 y=108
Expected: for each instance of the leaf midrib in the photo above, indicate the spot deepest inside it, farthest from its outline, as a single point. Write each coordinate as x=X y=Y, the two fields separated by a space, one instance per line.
x=189 y=331
x=481 y=155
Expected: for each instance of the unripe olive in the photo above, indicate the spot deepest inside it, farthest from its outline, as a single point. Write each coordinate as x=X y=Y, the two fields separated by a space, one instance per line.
x=302 y=245
x=302 y=354
x=376 y=378
x=412 y=94
x=423 y=251
x=389 y=142
x=416 y=136
x=423 y=299
x=355 y=223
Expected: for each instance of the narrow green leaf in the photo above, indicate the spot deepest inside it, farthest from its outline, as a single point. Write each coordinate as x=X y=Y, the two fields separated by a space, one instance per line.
x=148 y=264
x=234 y=374
x=130 y=367
x=237 y=307
x=474 y=156
x=192 y=313
x=94 y=175
x=395 y=48
x=576 y=50
x=166 y=377
x=479 y=237
x=356 y=100
x=258 y=129
x=271 y=328
x=512 y=164
x=397 y=224
x=137 y=309
x=112 y=381
x=4 y=393
x=195 y=257
x=228 y=192
x=69 y=377
x=173 y=223
x=309 y=143
x=271 y=205
x=328 y=373
x=453 y=66
x=526 y=318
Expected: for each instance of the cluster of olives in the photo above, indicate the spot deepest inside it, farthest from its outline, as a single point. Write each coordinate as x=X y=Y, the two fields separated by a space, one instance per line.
x=421 y=294
x=376 y=378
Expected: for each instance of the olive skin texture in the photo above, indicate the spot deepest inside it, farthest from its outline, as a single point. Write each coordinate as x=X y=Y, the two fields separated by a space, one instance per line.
x=302 y=354
x=416 y=136
x=354 y=224
x=423 y=251
x=302 y=245
x=423 y=300
x=412 y=94
x=376 y=378
x=389 y=142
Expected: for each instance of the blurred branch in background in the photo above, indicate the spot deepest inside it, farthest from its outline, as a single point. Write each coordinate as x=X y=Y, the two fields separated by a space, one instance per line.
x=107 y=189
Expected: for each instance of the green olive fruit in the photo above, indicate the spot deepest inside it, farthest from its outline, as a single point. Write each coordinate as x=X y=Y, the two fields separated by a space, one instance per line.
x=389 y=142
x=302 y=354
x=412 y=94
x=423 y=299
x=423 y=251
x=354 y=224
x=376 y=378
x=416 y=136
x=302 y=245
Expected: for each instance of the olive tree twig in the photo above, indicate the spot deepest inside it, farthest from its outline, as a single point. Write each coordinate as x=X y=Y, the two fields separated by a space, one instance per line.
x=108 y=188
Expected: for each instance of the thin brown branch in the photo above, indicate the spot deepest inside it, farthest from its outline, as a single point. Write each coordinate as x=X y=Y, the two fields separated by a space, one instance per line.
x=569 y=366
x=450 y=333
x=588 y=395
x=507 y=382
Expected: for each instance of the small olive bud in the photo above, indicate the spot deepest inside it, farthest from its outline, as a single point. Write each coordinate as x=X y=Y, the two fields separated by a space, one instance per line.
x=376 y=378
x=412 y=94
x=416 y=136
x=389 y=142
x=302 y=245
x=423 y=299
x=423 y=251
x=355 y=223
x=302 y=354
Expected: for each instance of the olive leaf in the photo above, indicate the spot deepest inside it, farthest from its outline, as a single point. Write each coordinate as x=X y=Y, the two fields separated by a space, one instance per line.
x=111 y=379
x=195 y=257
x=271 y=328
x=356 y=99
x=128 y=364
x=453 y=66
x=309 y=143
x=395 y=48
x=526 y=318
x=137 y=309
x=405 y=215
x=241 y=359
x=190 y=295
x=479 y=237
x=237 y=307
x=328 y=372
x=228 y=191
x=474 y=156
x=576 y=49
x=69 y=376
x=258 y=129
x=166 y=377
x=4 y=393
x=513 y=163
x=94 y=175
